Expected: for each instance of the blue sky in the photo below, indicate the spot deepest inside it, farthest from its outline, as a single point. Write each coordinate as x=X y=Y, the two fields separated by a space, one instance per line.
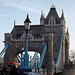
x=11 y=10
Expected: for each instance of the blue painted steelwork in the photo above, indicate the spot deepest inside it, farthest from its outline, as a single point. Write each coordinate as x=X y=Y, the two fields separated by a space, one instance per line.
x=24 y=67
x=25 y=60
x=60 y=48
x=32 y=62
x=57 y=65
x=3 y=51
x=33 y=56
x=42 y=56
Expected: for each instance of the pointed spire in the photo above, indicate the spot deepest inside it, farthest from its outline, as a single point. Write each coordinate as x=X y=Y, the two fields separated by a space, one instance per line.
x=42 y=15
x=27 y=19
x=14 y=22
x=67 y=31
x=62 y=16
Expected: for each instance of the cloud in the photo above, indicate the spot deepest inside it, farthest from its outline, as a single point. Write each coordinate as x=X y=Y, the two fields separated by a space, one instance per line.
x=23 y=5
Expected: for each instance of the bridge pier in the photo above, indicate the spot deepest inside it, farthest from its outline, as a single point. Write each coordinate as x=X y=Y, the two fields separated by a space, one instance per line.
x=50 y=55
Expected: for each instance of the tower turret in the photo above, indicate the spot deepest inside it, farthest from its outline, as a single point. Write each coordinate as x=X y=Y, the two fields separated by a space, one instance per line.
x=67 y=47
x=14 y=22
x=67 y=32
x=42 y=18
x=62 y=18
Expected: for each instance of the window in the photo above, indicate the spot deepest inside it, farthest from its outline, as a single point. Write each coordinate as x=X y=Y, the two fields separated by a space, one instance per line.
x=54 y=28
x=53 y=22
x=56 y=51
x=36 y=44
x=18 y=36
x=17 y=45
x=37 y=35
x=50 y=22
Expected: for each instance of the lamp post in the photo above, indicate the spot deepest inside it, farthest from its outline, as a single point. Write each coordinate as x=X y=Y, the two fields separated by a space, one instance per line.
x=25 y=62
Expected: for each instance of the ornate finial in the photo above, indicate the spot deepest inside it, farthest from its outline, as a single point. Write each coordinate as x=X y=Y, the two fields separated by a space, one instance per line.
x=52 y=5
x=14 y=22
x=42 y=15
x=62 y=11
x=42 y=12
x=62 y=16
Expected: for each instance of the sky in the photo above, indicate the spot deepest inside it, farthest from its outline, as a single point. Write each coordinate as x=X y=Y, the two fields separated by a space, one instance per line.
x=11 y=10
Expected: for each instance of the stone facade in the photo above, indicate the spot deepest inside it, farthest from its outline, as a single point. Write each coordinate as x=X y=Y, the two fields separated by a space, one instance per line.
x=38 y=35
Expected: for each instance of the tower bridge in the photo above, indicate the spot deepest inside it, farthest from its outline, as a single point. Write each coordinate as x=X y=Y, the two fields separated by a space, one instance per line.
x=51 y=30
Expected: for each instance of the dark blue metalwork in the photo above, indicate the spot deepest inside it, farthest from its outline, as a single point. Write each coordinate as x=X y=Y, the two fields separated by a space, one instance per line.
x=59 y=55
x=42 y=56
x=25 y=61
x=3 y=51
x=34 y=56
x=60 y=48
x=32 y=61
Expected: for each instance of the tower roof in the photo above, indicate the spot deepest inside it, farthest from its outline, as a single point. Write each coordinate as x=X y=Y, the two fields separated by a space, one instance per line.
x=53 y=13
x=27 y=19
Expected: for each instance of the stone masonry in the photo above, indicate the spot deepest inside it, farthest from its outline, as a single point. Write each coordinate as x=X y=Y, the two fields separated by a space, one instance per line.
x=37 y=38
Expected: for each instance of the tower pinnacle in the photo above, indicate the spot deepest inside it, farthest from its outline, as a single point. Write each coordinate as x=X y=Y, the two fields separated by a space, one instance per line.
x=14 y=22
x=42 y=18
x=62 y=16
x=42 y=15
x=67 y=31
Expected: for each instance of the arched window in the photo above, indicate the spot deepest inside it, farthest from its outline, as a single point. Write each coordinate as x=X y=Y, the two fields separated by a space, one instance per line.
x=53 y=22
x=56 y=50
x=50 y=22
x=17 y=45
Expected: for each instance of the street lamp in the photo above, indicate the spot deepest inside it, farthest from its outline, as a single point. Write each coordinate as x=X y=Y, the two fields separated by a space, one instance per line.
x=25 y=67
x=27 y=26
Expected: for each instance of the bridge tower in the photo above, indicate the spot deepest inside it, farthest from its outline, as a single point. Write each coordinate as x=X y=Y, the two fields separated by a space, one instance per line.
x=67 y=48
x=56 y=25
x=51 y=25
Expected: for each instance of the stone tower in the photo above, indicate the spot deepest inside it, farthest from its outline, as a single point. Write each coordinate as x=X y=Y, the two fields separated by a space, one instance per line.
x=67 y=48
x=52 y=23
